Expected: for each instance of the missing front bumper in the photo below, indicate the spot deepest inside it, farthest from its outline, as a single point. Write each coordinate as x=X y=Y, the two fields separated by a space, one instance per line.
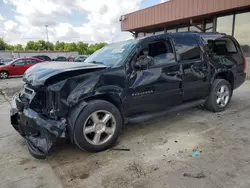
x=41 y=133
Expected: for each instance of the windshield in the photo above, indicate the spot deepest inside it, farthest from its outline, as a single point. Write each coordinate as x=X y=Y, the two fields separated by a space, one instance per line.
x=112 y=54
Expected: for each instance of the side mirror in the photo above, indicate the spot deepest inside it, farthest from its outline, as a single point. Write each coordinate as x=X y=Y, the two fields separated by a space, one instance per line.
x=144 y=62
x=13 y=65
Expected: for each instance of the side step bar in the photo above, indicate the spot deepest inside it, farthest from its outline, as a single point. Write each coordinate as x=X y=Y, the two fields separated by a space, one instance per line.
x=148 y=116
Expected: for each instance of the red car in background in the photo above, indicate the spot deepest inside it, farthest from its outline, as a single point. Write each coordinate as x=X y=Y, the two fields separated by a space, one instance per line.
x=17 y=67
x=70 y=58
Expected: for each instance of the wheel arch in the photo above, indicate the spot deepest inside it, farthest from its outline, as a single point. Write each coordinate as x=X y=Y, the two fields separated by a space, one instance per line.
x=226 y=75
x=75 y=111
x=112 y=98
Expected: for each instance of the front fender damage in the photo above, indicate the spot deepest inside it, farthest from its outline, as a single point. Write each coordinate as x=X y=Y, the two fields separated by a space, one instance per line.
x=41 y=133
x=65 y=100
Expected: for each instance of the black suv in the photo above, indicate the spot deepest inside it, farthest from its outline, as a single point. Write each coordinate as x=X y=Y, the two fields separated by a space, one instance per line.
x=125 y=82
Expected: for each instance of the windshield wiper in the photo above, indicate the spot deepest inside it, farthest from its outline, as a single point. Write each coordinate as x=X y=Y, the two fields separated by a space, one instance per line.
x=96 y=62
x=100 y=63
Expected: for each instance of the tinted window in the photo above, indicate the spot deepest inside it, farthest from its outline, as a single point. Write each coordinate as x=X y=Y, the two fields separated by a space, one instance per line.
x=187 y=48
x=32 y=61
x=222 y=46
x=225 y=24
x=241 y=32
x=20 y=62
x=161 y=51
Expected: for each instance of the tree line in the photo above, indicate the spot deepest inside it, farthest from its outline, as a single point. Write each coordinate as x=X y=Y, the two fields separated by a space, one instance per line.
x=80 y=47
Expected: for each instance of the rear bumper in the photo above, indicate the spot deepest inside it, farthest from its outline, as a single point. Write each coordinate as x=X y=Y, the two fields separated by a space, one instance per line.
x=41 y=133
x=240 y=79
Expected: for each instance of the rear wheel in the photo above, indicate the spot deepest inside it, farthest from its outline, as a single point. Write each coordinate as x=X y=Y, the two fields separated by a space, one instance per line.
x=98 y=126
x=220 y=95
x=4 y=74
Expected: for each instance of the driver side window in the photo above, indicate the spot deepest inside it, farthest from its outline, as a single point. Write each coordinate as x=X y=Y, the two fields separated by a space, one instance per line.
x=160 y=50
x=20 y=62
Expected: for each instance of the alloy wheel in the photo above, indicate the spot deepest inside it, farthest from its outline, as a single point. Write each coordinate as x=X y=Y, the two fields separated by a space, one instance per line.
x=99 y=127
x=223 y=96
x=3 y=75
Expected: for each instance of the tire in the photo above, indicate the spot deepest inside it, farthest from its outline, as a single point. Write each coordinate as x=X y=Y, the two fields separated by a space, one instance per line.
x=217 y=102
x=95 y=111
x=4 y=74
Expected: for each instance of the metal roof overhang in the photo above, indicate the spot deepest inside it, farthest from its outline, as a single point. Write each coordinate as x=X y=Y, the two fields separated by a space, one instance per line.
x=176 y=12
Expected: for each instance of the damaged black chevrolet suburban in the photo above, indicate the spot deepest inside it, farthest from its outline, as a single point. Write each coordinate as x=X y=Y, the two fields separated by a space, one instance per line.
x=125 y=82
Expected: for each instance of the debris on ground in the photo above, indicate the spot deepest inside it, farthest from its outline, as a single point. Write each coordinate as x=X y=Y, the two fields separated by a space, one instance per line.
x=120 y=149
x=196 y=153
x=199 y=175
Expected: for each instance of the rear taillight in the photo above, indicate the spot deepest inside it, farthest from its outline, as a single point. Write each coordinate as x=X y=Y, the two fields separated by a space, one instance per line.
x=245 y=63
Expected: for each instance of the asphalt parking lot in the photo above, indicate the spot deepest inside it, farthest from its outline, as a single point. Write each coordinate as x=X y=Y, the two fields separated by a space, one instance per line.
x=192 y=149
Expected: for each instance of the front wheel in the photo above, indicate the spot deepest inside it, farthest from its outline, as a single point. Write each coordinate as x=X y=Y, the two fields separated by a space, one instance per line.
x=98 y=126
x=4 y=74
x=220 y=95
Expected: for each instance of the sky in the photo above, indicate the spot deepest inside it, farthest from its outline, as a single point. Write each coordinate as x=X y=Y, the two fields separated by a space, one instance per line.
x=91 y=21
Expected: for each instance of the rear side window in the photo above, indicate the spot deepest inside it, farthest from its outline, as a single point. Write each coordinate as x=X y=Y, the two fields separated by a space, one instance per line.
x=222 y=46
x=32 y=61
x=187 y=48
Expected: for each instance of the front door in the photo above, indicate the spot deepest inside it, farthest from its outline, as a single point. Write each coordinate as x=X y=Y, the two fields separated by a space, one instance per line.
x=18 y=67
x=159 y=86
x=195 y=69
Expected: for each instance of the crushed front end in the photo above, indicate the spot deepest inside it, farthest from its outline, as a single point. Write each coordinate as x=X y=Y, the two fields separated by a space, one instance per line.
x=33 y=116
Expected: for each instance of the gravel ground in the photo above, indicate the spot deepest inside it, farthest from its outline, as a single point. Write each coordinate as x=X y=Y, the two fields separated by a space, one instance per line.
x=192 y=149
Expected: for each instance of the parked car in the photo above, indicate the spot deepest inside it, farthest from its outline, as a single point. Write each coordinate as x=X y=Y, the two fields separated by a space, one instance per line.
x=128 y=82
x=70 y=58
x=43 y=57
x=17 y=67
x=80 y=58
x=3 y=61
x=60 y=58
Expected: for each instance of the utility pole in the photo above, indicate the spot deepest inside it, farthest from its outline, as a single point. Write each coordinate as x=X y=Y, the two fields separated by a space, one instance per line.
x=46 y=26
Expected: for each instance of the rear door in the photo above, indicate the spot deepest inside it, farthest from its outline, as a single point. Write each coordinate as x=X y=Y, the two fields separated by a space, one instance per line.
x=157 y=87
x=195 y=68
x=30 y=62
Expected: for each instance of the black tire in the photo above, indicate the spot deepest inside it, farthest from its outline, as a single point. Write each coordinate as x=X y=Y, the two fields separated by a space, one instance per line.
x=93 y=106
x=211 y=103
x=6 y=73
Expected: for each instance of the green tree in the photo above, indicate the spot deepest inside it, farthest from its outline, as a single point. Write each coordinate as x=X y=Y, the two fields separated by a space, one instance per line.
x=41 y=45
x=94 y=47
x=70 y=47
x=59 y=46
x=31 y=45
x=9 y=47
x=49 y=46
x=18 y=47
x=82 y=48
x=3 y=45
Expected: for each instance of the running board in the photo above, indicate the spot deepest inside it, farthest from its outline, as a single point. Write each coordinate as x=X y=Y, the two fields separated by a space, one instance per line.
x=148 y=116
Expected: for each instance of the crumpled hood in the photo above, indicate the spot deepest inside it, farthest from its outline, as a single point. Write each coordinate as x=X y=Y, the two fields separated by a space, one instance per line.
x=41 y=72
